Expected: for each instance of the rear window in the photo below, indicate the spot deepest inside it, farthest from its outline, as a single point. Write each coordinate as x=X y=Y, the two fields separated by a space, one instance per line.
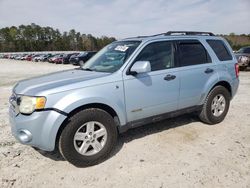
x=192 y=53
x=220 y=50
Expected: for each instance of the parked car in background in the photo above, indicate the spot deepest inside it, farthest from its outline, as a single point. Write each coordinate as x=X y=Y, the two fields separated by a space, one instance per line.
x=66 y=57
x=243 y=57
x=12 y=56
x=34 y=57
x=58 y=59
x=52 y=58
x=18 y=57
x=81 y=58
x=45 y=57
x=6 y=56
x=28 y=57
x=23 y=57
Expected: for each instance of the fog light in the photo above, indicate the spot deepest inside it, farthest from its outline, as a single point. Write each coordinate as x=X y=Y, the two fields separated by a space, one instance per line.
x=24 y=136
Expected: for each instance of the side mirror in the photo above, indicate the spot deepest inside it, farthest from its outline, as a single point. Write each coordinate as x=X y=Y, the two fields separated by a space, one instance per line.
x=140 y=67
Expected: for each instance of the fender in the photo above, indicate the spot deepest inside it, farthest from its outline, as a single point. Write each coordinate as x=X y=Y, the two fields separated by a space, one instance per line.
x=213 y=80
x=109 y=95
x=86 y=101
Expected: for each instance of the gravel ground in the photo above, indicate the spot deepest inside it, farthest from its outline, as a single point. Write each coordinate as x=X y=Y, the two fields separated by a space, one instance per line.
x=179 y=152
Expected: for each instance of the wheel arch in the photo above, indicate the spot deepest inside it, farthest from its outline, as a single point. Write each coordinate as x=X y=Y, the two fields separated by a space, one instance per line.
x=223 y=83
x=101 y=106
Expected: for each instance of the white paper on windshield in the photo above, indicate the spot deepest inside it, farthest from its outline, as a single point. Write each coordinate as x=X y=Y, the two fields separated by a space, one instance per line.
x=121 y=48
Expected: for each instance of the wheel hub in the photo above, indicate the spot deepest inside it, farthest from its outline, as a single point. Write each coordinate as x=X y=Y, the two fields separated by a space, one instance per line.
x=90 y=138
x=218 y=105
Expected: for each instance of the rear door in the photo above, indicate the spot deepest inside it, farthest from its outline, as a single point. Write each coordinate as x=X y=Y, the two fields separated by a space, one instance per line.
x=196 y=68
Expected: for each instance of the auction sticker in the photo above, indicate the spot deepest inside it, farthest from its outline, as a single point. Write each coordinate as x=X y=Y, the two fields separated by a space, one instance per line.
x=121 y=48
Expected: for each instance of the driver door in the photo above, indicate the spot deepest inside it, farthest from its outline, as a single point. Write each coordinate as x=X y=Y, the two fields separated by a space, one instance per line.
x=155 y=92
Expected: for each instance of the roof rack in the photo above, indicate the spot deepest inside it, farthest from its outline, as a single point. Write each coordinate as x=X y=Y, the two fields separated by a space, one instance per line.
x=189 y=33
x=152 y=35
x=145 y=36
x=177 y=33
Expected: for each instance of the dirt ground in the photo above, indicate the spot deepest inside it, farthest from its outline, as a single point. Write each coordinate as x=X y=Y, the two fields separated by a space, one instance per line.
x=179 y=152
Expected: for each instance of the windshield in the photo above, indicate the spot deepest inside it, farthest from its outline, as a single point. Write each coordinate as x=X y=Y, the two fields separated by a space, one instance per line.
x=244 y=50
x=82 y=54
x=111 y=57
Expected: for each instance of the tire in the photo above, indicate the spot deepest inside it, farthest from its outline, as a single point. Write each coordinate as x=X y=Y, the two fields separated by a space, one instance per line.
x=210 y=116
x=81 y=63
x=69 y=147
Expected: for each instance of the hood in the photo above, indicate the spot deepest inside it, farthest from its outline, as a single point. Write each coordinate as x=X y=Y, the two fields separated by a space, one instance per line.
x=56 y=82
x=242 y=54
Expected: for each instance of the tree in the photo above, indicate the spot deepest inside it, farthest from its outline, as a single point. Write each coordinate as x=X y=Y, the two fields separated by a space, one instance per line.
x=36 y=38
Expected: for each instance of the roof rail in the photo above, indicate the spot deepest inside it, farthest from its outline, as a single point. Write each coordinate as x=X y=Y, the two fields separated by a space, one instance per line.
x=189 y=33
x=176 y=33
x=145 y=36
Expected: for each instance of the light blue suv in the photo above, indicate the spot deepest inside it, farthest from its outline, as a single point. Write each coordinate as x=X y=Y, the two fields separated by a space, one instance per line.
x=128 y=83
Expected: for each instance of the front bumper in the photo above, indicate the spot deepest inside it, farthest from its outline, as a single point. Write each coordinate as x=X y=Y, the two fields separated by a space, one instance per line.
x=38 y=129
x=243 y=63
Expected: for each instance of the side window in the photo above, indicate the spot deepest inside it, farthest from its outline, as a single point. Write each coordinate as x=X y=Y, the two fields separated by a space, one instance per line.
x=159 y=54
x=192 y=53
x=220 y=50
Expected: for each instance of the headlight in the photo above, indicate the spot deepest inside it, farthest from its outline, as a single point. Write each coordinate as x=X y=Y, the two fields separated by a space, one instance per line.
x=30 y=104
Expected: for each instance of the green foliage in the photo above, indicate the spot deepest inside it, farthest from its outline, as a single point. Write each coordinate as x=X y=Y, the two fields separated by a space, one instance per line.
x=237 y=41
x=36 y=38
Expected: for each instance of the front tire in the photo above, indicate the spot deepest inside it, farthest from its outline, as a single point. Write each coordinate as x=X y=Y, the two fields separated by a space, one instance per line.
x=81 y=63
x=88 y=138
x=216 y=106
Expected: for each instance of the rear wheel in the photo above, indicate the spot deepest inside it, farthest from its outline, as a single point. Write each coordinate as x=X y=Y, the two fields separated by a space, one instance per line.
x=216 y=106
x=88 y=138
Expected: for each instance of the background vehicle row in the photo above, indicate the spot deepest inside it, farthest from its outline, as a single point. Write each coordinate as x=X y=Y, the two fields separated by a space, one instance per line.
x=75 y=58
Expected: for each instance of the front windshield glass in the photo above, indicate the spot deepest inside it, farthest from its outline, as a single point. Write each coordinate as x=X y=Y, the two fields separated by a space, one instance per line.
x=111 y=57
x=82 y=54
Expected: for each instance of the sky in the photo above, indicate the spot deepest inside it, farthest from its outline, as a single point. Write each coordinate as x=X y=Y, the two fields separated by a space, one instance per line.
x=126 y=18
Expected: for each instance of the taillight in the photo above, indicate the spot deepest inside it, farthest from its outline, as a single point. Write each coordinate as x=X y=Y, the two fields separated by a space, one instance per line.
x=237 y=70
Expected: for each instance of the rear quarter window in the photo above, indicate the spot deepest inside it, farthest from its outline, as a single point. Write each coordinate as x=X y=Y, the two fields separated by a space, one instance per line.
x=220 y=50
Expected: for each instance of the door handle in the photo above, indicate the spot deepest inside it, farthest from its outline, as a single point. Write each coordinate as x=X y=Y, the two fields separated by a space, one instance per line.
x=169 y=77
x=208 y=70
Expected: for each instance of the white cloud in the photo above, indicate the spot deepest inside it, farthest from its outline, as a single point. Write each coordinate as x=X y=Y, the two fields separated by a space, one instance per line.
x=121 y=18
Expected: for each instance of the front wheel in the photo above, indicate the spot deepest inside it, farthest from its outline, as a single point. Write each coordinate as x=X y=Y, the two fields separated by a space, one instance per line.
x=88 y=138
x=216 y=106
x=81 y=63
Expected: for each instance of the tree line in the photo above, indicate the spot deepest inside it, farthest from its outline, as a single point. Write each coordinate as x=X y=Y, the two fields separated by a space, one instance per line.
x=36 y=38
x=237 y=41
